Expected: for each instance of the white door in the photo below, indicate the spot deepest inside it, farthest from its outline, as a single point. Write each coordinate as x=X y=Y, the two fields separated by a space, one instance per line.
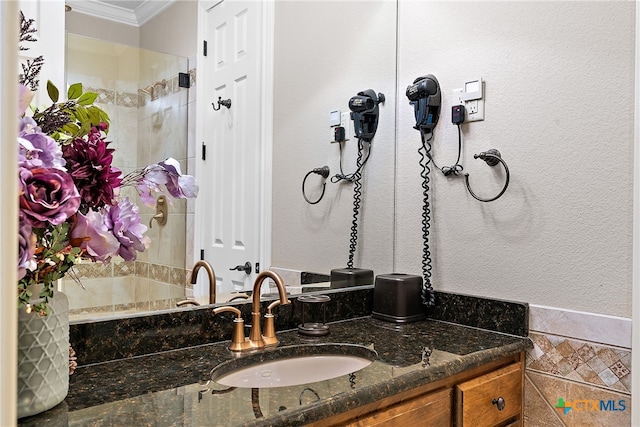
x=230 y=178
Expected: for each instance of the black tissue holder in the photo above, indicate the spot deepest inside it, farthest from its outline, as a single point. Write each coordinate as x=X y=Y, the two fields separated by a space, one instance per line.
x=347 y=277
x=397 y=298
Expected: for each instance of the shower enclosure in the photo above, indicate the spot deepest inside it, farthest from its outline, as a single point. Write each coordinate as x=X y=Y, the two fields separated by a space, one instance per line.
x=148 y=110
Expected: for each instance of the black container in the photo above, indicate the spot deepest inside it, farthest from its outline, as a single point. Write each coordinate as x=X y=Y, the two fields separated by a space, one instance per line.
x=347 y=277
x=396 y=298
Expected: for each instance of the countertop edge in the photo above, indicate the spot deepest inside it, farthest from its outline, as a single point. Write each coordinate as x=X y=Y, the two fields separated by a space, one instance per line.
x=354 y=399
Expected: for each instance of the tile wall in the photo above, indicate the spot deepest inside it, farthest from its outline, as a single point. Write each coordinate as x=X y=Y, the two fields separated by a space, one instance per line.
x=143 y=131
x=579 y=369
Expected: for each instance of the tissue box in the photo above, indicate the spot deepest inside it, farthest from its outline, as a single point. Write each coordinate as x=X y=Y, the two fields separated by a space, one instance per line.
x=396 y=298
x=347 y=277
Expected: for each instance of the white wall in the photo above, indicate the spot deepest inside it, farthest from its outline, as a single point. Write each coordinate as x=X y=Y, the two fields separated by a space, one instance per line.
x=173 y=31
x=325 y=53
x=559 y=106
x=101 y=29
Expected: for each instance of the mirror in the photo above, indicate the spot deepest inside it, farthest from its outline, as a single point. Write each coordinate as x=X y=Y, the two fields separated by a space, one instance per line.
x=139 y=90
x=309 y=82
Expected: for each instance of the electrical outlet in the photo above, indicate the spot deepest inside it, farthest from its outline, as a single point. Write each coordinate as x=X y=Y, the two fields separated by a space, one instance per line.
x=475 y=110
x=345 y=119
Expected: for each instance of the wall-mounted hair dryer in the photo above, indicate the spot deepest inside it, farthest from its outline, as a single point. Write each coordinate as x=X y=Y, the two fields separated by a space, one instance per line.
x=364 y=113
x=424 y=95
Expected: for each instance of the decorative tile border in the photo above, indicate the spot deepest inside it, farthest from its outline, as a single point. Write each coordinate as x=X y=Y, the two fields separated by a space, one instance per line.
x=597 y=328
x=582 y=361
x=161 y=276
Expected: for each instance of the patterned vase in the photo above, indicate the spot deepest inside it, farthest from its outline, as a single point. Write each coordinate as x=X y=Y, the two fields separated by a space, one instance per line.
x=43 y=357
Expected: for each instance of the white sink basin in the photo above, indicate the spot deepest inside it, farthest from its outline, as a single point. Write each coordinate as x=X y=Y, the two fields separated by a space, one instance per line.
x=295 y=365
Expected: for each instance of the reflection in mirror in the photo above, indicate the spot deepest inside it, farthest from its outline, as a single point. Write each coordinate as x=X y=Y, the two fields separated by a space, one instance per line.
x=312 y=61
x=148 y=110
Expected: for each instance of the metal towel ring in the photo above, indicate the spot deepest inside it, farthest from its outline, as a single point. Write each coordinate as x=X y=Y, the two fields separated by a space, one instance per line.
x=324 y=173
x=492 y=157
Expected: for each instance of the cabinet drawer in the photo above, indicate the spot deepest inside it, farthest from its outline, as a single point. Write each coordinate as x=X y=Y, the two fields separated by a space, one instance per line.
x=475 y=398
x=432 y=410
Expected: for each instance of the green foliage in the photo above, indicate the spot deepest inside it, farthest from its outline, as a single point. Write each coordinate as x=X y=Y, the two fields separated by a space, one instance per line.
x=71 y=119
x=56 y=259
x=52 y=90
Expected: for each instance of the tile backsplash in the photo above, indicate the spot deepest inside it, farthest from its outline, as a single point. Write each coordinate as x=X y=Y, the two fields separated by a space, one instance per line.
x=577 y=374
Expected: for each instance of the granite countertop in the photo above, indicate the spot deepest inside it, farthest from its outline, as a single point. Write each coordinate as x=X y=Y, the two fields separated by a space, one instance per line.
x=173 y=387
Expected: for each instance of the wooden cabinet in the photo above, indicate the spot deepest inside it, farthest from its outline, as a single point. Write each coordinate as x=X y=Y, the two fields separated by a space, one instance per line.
x=433 y=409
x=487 y=396
x=491 y=399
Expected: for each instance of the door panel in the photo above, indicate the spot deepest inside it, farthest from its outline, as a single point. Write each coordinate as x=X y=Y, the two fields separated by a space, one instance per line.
x=232 y=135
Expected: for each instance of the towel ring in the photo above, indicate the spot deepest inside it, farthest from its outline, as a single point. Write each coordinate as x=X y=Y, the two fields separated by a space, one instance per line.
x=324 y=173
x=492 y=157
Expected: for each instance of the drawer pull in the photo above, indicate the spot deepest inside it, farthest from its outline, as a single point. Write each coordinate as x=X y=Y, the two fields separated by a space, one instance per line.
x=499 y=402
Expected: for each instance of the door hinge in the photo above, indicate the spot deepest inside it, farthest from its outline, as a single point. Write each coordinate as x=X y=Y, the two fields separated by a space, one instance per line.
x=204 y=47
x=204 y=151
x=184 y=80
x=257 y=267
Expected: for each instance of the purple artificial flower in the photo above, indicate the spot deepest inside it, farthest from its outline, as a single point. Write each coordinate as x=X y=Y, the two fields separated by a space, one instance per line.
x=124 y=222
x=91 y=234
x=24 y=98
x=36 y=149
x=47 y=195
x=165 y=173
x=26 y=246
x=89 y=163
x=179 y=186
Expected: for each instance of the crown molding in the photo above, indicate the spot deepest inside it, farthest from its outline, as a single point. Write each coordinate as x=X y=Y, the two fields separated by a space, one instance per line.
x=143 y=13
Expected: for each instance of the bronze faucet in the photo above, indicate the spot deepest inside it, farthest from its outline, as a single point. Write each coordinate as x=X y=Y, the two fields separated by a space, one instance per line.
x=194 y=277
x=256 y=339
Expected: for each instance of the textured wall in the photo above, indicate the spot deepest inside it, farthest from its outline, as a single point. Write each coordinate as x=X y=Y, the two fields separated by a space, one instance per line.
x=325 y=53
x=559 y=106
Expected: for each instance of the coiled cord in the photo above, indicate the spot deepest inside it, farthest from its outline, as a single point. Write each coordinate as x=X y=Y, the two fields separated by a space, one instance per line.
x=427 y=294
x=352 y=176
x=357 y=197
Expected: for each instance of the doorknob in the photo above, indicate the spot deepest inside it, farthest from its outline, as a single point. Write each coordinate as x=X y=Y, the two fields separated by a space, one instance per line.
x=246 y=267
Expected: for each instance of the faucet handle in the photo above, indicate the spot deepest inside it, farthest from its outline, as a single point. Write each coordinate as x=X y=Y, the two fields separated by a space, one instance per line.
x=238 y=340
x=269 y=335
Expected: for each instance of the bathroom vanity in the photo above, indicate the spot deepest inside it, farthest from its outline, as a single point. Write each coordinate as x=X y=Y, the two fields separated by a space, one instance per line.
x=435 y=371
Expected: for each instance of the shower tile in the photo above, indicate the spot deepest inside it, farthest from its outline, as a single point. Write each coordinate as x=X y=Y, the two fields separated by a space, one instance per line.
x=192 y=89
x=88 y=270
x=159 y=273
x=191 y=130
x=96 y=293
x=189 y=247
x=124 y=290
x=179 y=277
x=124 y=268
x=142 y=269
x=127 y=99
x=142 y=290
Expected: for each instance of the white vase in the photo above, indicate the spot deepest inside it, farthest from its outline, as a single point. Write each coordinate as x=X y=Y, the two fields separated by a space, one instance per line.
x=43 y=357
